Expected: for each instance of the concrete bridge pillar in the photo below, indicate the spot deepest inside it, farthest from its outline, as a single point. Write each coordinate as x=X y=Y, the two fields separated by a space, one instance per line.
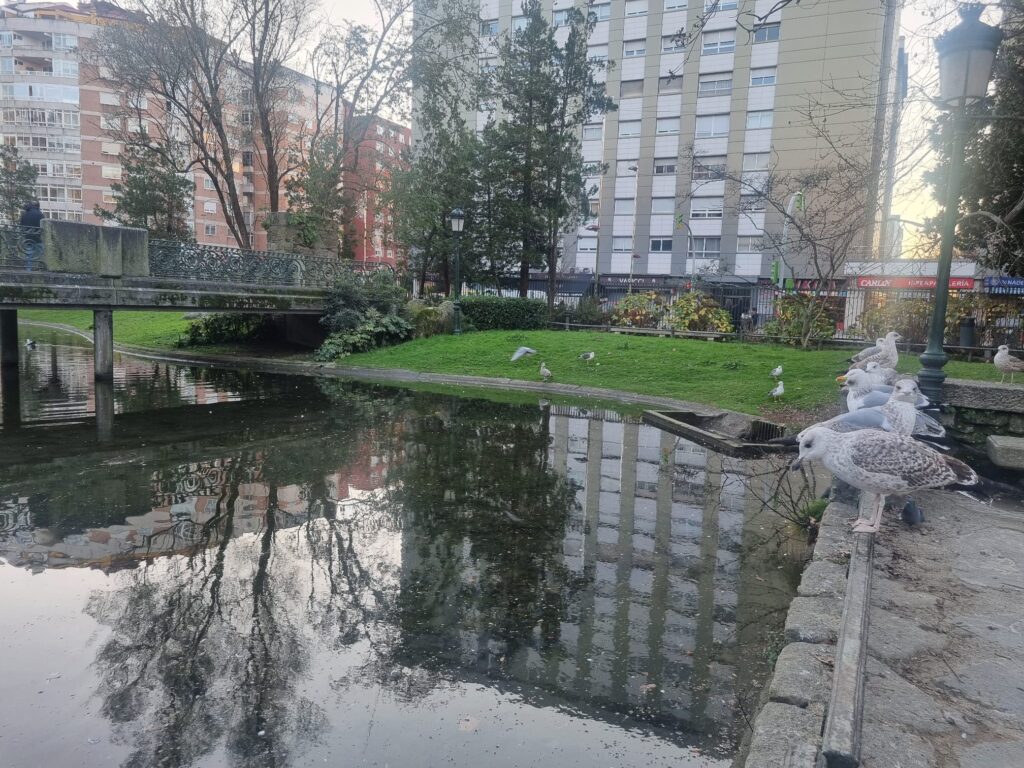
x=103 y=344
x=104 y=391
x=9 y=338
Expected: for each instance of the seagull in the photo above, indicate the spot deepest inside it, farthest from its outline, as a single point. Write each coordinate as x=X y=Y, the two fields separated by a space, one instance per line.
x=776 y=372
x=899 y=415
x=884 y=376
x=779 y=391
x=588 y=356
x=523 y=352
x=863 y=393
x=884 y=352
x=30 y=344
x=545 y=372
x=880 y=463
x=1007 y=363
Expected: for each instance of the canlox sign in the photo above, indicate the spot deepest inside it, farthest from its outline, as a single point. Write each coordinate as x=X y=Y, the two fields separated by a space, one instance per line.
x=921 y=283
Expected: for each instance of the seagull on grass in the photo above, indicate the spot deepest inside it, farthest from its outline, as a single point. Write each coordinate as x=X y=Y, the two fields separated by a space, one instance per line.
x=778 y=392
x=523 y=352
x=776 y=372
x=545 y=372
x=588 y=356
x=881 y=463
x=1007 y=363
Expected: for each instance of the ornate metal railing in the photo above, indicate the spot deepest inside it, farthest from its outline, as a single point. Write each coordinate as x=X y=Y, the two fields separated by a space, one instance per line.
x=21 y=247
x=190 y=261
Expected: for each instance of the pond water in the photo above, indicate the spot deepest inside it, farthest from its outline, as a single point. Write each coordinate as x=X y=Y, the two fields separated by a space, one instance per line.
x=212 y=568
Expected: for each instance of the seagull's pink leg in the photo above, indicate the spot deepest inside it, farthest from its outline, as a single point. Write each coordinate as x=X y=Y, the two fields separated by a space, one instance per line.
x=872 y=525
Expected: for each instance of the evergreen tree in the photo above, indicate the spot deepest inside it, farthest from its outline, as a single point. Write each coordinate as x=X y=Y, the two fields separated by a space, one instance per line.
x=151 y=195
x=17 y=183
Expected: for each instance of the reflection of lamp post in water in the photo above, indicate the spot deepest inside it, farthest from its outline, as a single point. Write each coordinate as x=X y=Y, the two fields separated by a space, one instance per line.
x=967 y=54
x=458 y=220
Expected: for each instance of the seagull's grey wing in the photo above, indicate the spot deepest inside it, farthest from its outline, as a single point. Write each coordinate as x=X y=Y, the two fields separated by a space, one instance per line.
x=1014 y=363
x=926 y=425
x=873 y=399
x=863 y=418
x=522 y=352
x=902 y=457
x=864 y=354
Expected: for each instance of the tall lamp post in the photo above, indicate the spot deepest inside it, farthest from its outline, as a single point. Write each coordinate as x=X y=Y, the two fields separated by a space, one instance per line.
x=967 y=54
x=457 y=219
x=632 y=235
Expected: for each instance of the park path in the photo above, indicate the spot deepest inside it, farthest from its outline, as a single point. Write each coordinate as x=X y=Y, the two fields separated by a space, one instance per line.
x=945 y=672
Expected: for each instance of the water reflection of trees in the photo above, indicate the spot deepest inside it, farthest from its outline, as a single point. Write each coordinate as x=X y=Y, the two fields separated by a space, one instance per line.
x=213 y=647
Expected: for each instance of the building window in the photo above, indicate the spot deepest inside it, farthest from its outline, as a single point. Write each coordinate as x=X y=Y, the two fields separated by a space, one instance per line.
x=762 y=76
x=594 y=208
x=720 y=5
x=670 y=85
x=665 y=167
x=634 y=48
x=208 y=183
x=706 y=208
x=749 y=244
x=489 y=28
x=719 y=41
x=715 y=84
x=111 y=123
x=766 y=33
x=593 y=132
x=111 y=172
x=756 y=161
x=636 y=7
x=752 y=204
x=759 y=119
x=625 y=167
x=561 y=18
x=63 y=42
x=712 y=126
x=519 y=23
x=110 y=148
x=587 y=244
x=666 y=125
x=708 y=168
x=65 y=68
x=622 y=244
x=600 y=12
x=245 y=118
x=705 y=247
x=625 y=206
x=210 y=230
x=247 y=158
x=629 y=128
x=380 y=130
x=661 y=244
x=671 y=44
x=597 y=53
x=109 y=199
x=675 y=5
x=661 y=205
x=209 y=206
x=630 y=89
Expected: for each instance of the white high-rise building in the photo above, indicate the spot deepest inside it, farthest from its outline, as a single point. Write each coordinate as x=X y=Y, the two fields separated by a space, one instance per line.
x=735 y=97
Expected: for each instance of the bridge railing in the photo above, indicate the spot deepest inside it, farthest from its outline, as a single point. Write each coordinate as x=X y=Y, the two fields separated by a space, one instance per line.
x=21 y=247
x=190 y=261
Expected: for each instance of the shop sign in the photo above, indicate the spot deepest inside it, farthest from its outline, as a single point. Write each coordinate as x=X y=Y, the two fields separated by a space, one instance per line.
x=919 y=283
x=1004 y=282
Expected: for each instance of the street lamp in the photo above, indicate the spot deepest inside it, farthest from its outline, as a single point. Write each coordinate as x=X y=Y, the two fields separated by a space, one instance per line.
x=967 y=54
x=458 y=220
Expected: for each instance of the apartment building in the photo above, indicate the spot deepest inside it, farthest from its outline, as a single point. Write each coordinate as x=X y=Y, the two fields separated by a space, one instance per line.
x=65 y=116
x=694 y=118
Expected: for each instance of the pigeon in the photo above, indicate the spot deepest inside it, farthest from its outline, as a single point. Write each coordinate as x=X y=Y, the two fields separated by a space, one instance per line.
x=776 y=372
x=545 y=372
x=881 y=463
x=588 y=356
x=523 y=352
x=778 y=392
x=912 y=514
x=1007 y=363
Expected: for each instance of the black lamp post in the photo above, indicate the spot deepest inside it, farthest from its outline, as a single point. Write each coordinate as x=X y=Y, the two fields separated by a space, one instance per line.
x=458 y=220
x=967 y=54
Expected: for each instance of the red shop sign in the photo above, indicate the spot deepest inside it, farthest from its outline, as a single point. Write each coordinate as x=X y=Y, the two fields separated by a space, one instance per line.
x=921 y=283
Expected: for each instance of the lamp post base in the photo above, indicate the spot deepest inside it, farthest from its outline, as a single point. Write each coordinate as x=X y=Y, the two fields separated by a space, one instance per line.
x=457 y=319
x=931 y=376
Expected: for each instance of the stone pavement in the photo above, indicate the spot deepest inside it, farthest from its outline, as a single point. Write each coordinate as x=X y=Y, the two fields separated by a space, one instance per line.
x=945 y=673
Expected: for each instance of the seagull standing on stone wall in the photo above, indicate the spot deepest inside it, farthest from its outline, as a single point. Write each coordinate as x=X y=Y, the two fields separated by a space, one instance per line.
x=880 y=463
x=1007 y=363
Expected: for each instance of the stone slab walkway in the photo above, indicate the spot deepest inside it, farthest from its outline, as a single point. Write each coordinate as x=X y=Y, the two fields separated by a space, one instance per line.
x=945 y=673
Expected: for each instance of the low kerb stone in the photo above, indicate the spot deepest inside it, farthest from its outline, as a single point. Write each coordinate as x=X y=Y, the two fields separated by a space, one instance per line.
x=1006 y=451
x=823 y=578
x=785 y=735
x=813 y=620
x=803 y=675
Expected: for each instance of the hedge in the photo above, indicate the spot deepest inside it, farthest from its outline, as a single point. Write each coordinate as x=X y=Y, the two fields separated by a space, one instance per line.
x=498 y=313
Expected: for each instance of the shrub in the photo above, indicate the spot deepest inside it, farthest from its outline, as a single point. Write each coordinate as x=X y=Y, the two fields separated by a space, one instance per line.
x=911 y=318
x=499 y=313
x=696 y=311
x=376 y=330
x=589 y=312
x=352 y=295
x=639 y=310
x=227 y=328
x=430 y=320
x=804 y=318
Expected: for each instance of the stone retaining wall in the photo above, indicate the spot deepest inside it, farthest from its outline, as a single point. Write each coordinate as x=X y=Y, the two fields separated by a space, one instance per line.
x=788 y=730
x=977 y=409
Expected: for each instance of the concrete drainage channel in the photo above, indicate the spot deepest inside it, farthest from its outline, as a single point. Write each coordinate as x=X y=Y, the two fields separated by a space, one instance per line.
x=813 y=706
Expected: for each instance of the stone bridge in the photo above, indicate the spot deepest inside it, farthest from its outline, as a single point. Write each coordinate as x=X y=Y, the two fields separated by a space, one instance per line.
x=83 y=266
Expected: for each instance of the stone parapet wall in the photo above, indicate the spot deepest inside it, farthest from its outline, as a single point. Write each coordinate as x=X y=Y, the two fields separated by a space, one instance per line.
x=977 y=409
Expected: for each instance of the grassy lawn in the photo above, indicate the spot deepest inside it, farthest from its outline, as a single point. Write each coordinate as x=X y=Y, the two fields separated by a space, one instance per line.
x=158 y=330
x=732 y=375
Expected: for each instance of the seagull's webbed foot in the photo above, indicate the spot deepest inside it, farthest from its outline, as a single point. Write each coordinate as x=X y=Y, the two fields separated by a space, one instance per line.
x=866 y=526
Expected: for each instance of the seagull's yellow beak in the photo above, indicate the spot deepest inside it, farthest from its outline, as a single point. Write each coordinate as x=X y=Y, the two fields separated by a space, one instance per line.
x=841 y=379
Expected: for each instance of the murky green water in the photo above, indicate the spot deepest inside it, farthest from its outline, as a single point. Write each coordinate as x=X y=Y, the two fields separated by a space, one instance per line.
x=240 y=570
